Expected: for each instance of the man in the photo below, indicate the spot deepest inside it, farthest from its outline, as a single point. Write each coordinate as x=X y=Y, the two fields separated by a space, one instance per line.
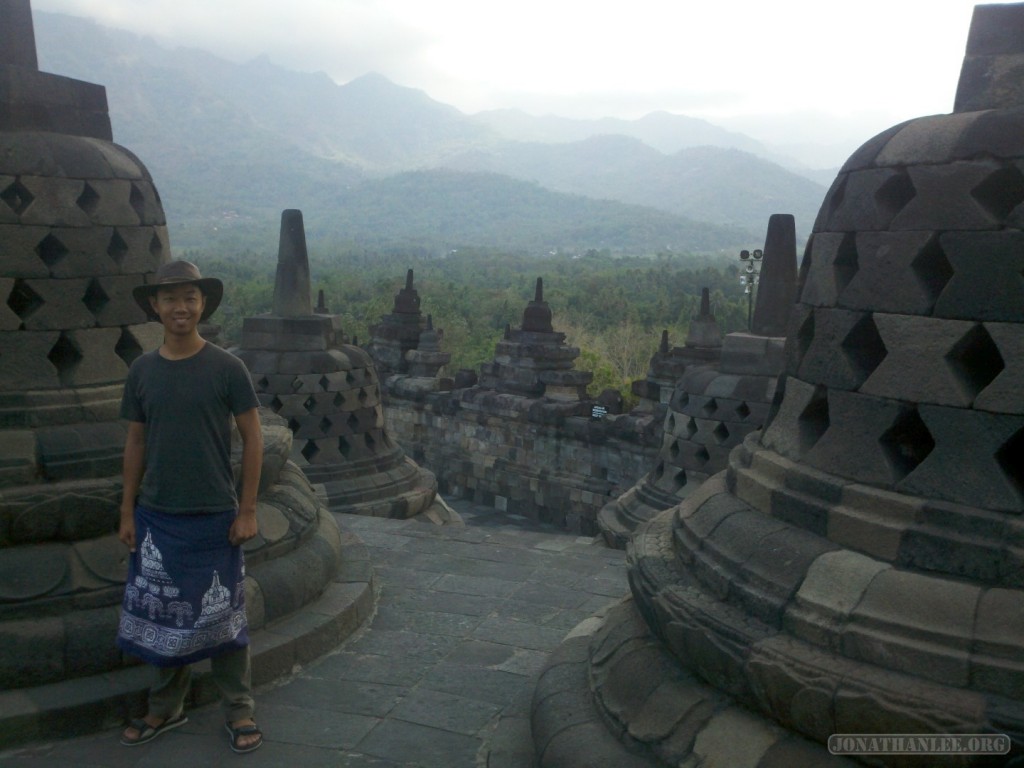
x=180 y=515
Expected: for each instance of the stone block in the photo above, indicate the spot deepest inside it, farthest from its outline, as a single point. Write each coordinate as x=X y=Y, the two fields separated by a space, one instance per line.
x=868 y=200
x=717 y=742
x=821 y=277
x=54 y=202
x=872 y=521
x=994 y=479
x=981 y=263
x=934 y=139
x=18 y=463
x=110 y=301
x=23 y=360
x=918 y=365
x=915 y=623
x=98 y=361
x=21 y=260
x=140 y=249
x=148 y=336
x=83 y=252
x=997 y=133
x=41 y=639
x=898 y=272
x=996 y=666
x=1003 y=394
x=864 y=156
x=853 y=444
x=834 y=585
x=785 y=434
x=89 y=650
x=945 y=198
x=56 y=305
x=842 y=351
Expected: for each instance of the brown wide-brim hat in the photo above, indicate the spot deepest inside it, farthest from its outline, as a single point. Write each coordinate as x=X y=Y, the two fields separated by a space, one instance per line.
x=179 y=272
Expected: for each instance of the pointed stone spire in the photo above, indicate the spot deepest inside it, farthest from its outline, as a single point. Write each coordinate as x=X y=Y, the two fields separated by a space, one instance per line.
x=407 y=300
x=663 y=347
x=292 y=286
x=990 y=77
x=17 y=35
x=705 y=302
x=537 y=315
x=321 y=306
x=776 y=290
x=704 y=330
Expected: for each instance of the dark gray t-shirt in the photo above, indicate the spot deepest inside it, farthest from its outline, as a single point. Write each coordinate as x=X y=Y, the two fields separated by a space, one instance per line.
x=187 y=407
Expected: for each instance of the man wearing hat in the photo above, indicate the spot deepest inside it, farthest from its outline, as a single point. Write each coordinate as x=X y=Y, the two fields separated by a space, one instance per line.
x=180 y=515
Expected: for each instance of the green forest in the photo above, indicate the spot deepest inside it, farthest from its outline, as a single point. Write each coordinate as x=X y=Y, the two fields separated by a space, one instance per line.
x=613 y=308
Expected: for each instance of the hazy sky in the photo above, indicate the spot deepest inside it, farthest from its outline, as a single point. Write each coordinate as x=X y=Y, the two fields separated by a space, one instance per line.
x=843 y=69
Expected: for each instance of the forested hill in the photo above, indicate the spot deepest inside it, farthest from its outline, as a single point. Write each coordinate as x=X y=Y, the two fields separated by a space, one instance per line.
x=370 y=162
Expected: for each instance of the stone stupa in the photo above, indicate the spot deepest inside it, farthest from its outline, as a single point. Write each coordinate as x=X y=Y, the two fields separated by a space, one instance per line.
x=81 y=223
x=858 y=568
x=328 y=392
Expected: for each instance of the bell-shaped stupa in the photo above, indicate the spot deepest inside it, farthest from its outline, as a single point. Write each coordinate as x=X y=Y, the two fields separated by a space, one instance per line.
x=858 y=568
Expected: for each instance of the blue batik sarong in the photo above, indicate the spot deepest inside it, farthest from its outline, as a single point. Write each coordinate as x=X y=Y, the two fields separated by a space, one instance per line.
x=184 y=599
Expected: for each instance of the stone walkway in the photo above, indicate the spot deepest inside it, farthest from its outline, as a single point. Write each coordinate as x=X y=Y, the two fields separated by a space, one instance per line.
x=440 y=676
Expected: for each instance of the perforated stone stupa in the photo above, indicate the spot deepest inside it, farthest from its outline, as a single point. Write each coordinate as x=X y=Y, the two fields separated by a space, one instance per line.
x=329 y=394
x=858 y=568
x=81 y=224
x=716 y=402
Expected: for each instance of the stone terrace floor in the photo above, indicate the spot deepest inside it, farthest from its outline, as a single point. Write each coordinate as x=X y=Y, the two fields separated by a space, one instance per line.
x=440 y=676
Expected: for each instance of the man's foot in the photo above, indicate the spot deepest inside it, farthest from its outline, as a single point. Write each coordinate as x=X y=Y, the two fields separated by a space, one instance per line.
x=245 y=735
x=147 y=728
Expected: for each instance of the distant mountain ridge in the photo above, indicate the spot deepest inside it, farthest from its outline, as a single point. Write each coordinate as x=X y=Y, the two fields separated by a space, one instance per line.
x=252 y=139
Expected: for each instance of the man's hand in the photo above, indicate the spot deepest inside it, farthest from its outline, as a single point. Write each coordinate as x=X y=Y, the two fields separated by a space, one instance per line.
x=243 y=528
x=126 y=529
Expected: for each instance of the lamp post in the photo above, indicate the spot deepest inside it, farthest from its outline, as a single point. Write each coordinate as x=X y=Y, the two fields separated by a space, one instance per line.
x=749 y=278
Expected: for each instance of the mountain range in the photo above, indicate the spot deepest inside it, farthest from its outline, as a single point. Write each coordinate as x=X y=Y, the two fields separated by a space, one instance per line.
x=231 y=145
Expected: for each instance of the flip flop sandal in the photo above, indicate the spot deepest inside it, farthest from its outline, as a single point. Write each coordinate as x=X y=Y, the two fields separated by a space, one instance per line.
x=148 y=732
x=244 y=730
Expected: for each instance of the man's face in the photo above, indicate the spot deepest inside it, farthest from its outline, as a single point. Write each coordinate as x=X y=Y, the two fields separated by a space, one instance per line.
x=179 y=307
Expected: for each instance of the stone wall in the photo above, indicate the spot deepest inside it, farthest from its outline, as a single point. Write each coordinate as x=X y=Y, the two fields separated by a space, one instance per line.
x=546 y=460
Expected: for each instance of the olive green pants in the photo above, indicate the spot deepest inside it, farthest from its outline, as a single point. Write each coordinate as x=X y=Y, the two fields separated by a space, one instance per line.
x=232 y=674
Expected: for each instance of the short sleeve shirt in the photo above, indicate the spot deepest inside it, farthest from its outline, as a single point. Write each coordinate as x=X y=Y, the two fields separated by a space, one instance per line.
x=187 y=407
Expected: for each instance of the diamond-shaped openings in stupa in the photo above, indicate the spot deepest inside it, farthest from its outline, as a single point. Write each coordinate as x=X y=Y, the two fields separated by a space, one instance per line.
x=325 y=425
x=845 y=265
x=906 y=443
x=932 y=269
x=720 y=433
x=1000 y=192
x=88 y=200
x=344 y=448
x=1010 y=458
x=127 y=347
x=659 y=472
x=863 y=347
x=673 y=450
x=310 y=450
x=691 y=428
x=679 y=479
x=51 y=250
x=23 y=301
x=975 y=360
x=276 y=404
x=309 y=404
x=17 y=197
x=65 y=357
x=156 y=247
x=117 y=248
x=710 y=407
x=702 y=456
x=813 y=421
x=95 y=298
x=670 y=424
x=742 y=410
x=353 y=422
x=895 y=193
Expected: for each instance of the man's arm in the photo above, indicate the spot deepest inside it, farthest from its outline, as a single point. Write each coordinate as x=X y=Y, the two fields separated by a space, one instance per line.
x=133 y=468
x=245 y=525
